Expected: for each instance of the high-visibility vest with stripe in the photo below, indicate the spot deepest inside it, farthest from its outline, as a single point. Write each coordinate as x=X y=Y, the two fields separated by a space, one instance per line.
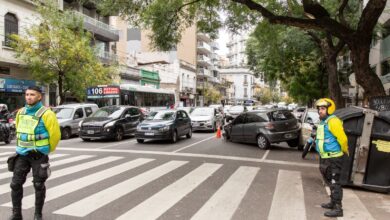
x=321 y=141
x=27 y=125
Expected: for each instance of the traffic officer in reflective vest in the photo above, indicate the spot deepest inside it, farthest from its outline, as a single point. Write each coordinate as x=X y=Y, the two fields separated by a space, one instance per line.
x=331 y=144
x=38 y=134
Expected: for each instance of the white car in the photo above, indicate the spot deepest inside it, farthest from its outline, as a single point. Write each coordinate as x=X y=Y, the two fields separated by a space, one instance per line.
x=309 y=118
x=206 y=118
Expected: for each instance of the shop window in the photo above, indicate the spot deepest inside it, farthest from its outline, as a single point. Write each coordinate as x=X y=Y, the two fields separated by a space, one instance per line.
x=10 y=27
x=5 y=70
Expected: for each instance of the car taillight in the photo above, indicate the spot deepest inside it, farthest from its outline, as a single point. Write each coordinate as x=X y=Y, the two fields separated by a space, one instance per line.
x=269 y=126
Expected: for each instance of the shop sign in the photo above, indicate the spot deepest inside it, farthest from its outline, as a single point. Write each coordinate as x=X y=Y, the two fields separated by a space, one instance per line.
x=103 y=92
x=380 y=103
x=15 y=85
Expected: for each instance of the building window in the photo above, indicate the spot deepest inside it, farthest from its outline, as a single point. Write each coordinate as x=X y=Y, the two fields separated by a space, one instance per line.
x=245 y=79
x=245 y=92
x=10 y=27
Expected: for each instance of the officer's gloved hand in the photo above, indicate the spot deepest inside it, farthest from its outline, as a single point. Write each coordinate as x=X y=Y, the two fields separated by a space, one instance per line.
x=310 y=140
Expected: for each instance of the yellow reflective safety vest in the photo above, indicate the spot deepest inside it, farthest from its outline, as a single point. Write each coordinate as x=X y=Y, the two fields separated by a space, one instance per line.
x=27 y=125
x=321 y=141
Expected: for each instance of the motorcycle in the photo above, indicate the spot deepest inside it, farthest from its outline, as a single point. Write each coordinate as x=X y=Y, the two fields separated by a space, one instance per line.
x=311 y=142
x=7 y=130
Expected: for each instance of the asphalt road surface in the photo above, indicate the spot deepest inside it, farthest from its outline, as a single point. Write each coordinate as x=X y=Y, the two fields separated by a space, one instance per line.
x=198 y=178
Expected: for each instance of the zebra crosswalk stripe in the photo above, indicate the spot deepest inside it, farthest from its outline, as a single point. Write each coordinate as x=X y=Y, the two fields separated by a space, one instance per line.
x=288 y=199
x=98 y=200
x=55 y=163
x=233 y=190
x=2 y=166
x=72 y=186
x=159 y=203
x=6 y=153
x=66 y=171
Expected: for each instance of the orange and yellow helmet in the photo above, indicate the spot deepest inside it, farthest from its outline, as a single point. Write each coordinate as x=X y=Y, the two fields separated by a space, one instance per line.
x=328 y=103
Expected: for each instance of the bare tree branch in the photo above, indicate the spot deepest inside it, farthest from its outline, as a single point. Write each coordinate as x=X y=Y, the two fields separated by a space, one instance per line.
x=343 y=5
x=369 y=18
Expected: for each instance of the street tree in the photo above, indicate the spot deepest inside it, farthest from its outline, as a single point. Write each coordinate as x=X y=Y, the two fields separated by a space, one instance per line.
x=57 y=51
x=168 y=19
x=289 y=55
x=212 y=95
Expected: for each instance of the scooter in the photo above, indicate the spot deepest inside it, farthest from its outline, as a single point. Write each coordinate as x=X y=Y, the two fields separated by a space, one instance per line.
x=7 y=130
x=311 y=142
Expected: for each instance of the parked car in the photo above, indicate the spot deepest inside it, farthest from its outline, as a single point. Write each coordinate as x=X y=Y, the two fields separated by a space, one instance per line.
x=111 y=122
x=309 y=118
x=164 y=125
x=234 y=111
x=206 y=118
x=264 y=128
x=70 y=115
x=298 y=112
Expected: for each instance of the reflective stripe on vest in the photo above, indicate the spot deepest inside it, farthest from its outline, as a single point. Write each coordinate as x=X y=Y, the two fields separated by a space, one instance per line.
x=321 y=136
x=27 y=125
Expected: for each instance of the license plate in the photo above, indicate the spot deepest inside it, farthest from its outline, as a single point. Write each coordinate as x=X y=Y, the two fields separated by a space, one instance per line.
x=149 y=134
x=90 y=132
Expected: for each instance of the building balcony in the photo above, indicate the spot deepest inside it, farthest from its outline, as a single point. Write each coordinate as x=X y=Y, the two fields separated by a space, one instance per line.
x=129 y=73
x=105 y=31
x=204 y=47
x=203 y=36
x=202 y=72
x=203 y=60
x=107 y=57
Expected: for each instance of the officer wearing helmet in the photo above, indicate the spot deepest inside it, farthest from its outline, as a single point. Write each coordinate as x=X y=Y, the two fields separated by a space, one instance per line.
x=4 y=113
x=4 y=116
x=331 y=144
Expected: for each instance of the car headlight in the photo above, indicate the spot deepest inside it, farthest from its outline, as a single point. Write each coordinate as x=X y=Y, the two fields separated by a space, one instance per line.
x=209 y=122
x=165 y=128
x=109 y=124
x=80 y=124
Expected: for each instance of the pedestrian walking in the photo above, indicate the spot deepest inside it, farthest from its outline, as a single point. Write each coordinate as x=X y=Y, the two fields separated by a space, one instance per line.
x=38 y=134
x=331 y=144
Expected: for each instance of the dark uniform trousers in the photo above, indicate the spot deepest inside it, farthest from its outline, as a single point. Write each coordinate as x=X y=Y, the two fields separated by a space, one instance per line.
x=330 y=169
x=39 y=163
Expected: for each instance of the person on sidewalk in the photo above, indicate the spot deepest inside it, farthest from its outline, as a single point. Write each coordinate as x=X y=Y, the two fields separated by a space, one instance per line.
x=38 y=134
x=331 y=144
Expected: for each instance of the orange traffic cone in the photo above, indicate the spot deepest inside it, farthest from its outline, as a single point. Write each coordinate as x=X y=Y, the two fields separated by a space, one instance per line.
x=219 y=132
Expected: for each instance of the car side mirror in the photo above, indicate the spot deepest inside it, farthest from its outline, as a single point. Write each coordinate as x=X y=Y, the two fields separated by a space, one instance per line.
x=310 y=121
x=76 y=116
x=127 y=116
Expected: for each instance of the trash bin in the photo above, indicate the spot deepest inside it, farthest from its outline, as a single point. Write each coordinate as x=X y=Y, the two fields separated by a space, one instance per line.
x=368 y=134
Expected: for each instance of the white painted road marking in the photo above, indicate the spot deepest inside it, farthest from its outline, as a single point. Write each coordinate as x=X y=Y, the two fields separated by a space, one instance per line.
x=55 y=163
x=98 y=200
x=288 y=200
x=226 y=200
x=160 y=202
x=72 y=186
x=183 y=148
x=66 y=171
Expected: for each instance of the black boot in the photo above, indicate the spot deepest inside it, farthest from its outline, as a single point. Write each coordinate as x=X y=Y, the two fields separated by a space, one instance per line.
x=16 y=214
x=337 y=211
x=328 y=205
x=38 y=216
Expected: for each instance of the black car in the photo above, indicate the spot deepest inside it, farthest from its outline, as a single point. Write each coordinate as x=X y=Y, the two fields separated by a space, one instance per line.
x=164 y=125
x=264 y=128
x=111 y=122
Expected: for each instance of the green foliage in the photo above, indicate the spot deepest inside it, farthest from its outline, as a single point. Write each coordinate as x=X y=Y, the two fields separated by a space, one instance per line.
x=288 y=55
x=211 y=95
x=58 y=51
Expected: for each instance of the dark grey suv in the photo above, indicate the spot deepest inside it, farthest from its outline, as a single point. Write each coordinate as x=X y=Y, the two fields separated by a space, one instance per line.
x=264 y=128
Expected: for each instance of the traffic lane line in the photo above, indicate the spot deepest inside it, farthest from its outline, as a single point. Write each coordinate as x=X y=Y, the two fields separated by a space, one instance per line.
x=117 y=144
x=188 y=146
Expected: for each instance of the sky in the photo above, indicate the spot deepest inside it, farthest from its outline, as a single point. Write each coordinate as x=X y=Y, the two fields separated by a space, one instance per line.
x=222 y=40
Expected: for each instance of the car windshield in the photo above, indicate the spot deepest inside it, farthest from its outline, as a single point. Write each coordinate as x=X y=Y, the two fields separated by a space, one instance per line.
x=202 y=112
x=164 y=115
x=151 y=116
x=314 y=117
x=63 y=113
x=237 y=108
x=108 y=112
x=187 y=109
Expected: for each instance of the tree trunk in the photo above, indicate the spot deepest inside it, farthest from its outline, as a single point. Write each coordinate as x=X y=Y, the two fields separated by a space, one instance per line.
x=367 y=79
x=333 y=81
x=60 y=88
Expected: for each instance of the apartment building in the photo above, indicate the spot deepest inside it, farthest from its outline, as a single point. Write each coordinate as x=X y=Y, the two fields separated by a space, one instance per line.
x=18 y=15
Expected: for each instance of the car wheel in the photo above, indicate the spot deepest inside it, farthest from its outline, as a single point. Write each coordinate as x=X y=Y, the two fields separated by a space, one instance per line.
x=293 y=143
x=189 y=135
x=226 y=136
x=9 y=139
x=140 y=141
x=262 y=142
x=65 y=133
x=86 y=139
x=118 y=134
x=174 y=136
